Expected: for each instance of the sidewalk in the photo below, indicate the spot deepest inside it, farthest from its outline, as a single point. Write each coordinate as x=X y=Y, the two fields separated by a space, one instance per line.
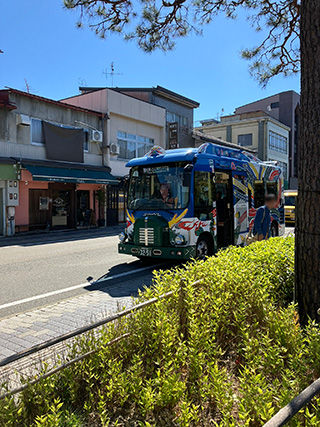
x=60 y=235
x=22 y=331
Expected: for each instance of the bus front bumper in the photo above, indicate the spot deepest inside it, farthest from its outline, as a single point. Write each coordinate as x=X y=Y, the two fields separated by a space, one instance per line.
x=173 y=252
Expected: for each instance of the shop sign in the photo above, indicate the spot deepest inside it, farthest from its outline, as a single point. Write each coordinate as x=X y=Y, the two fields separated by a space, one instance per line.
x=173 y=135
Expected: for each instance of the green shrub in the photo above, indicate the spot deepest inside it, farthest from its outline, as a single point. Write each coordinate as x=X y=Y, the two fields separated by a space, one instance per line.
x=239 y=356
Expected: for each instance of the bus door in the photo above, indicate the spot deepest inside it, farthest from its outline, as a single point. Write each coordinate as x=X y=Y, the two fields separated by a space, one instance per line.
x=240 y=203
x=224 y=207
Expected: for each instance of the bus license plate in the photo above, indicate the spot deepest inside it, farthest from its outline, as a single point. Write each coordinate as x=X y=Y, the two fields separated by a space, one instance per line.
x=145 y=252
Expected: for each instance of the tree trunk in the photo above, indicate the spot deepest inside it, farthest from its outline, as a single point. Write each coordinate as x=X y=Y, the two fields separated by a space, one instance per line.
x=307 y=288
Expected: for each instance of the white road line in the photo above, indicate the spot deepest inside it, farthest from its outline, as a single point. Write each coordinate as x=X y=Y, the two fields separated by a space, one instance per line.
x=71 y=288
x=49 y=242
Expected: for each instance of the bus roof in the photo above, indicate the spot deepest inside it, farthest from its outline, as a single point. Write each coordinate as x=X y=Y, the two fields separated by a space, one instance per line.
x=206 y=151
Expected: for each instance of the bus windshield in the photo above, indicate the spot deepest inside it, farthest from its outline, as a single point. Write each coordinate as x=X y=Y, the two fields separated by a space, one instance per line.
x=158 y=187
x=290 y=200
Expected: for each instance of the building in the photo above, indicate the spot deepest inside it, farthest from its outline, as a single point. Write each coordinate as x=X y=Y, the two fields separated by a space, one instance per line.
x=284 y=107
x=256 y=131
x=52 y=164
x=179 y=111
x=132 y=127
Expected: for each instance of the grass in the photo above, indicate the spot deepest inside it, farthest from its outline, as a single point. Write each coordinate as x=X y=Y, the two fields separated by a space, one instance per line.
x=231 y=355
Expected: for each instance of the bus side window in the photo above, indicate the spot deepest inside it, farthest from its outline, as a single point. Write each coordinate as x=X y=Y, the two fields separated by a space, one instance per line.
x=272 y=187
x=204 y=195
x=259 y=194
x=249 y=198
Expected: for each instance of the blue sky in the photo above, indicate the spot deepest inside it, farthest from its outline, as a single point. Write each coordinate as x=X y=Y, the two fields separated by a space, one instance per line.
x=42 y=45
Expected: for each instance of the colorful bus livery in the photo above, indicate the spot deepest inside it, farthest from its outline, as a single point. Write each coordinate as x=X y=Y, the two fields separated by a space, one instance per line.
x=188 y=203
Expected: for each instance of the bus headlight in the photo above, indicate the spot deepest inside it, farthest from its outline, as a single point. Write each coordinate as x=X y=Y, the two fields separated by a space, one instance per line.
x=179 y=240
x=122 y=237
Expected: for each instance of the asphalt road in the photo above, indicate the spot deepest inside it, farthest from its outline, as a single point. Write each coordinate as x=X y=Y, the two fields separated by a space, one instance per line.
x=44 y=269
x=40 y=270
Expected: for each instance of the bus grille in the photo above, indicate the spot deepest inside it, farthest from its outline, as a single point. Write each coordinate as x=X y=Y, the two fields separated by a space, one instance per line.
x=146 y=236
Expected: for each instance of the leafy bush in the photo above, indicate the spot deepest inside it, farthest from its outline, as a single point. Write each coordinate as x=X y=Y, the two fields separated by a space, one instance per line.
x=230 y=353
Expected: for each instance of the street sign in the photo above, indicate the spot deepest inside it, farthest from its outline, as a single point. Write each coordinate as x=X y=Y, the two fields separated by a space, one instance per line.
x=173 y=135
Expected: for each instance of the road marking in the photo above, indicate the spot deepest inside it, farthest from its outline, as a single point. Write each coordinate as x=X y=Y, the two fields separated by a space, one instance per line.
x=49 y=242
x=71 y=288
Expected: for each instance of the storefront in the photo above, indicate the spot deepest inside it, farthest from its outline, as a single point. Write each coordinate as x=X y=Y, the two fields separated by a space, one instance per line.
x=59 y=198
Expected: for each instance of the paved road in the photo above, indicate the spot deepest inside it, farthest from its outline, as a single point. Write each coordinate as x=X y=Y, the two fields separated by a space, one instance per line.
x=41 y=270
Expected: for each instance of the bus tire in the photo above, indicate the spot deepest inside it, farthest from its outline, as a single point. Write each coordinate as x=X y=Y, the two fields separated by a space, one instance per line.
x=274 y=229
x=204 y=247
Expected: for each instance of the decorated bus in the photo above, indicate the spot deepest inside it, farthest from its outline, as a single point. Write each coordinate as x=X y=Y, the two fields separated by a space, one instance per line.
x=188 y=203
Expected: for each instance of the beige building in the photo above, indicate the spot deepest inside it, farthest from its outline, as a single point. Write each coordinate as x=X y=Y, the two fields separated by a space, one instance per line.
x=132 y=126
x=256 y=131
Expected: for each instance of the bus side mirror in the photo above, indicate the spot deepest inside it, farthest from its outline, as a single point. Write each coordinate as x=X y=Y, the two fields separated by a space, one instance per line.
x=187 y=172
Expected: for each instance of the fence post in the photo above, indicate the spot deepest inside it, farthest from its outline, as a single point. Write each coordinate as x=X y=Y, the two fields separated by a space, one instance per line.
x=183 y=314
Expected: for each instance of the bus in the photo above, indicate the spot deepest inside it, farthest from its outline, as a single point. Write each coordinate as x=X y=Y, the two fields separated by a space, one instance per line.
x=190 y=202
x=290 y=197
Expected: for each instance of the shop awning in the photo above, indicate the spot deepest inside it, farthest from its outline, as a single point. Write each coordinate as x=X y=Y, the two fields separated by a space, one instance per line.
x=85 y=176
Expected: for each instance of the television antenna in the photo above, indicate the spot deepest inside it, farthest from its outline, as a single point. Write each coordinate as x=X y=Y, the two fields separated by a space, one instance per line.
x=27 y=86
x=82 y=82
x=111 y=73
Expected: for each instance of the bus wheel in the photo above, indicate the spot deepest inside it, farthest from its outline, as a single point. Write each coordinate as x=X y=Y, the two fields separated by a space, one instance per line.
x=274 y=230
x=204 y=247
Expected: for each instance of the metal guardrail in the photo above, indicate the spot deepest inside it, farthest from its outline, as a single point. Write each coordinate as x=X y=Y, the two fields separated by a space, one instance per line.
x=78 y=332
x=287 y=413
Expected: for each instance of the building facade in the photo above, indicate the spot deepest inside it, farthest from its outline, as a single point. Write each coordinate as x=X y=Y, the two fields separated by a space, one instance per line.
x=257 y=131
x=52 y=170
x=284 y=107
x=131 y=128
x=178 y=110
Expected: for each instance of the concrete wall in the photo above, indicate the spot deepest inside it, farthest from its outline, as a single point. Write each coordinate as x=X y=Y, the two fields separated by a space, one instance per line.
x=237 y=128
x=15 y=141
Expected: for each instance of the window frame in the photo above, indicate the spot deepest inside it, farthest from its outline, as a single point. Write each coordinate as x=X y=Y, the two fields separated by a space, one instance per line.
x=36 y=143
x=86 y=141
x=139 y=141
x=278 y=142
x=245 y=135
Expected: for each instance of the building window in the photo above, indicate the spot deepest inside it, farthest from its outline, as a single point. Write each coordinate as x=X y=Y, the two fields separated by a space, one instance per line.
x=277 y=142
x=181 y=120
x=245 y=139
x=85 y=141
x=284 y=168
x=132 y=146
x=37 y=134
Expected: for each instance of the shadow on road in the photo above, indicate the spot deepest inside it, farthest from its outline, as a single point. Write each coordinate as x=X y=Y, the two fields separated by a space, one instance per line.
x=127 y=279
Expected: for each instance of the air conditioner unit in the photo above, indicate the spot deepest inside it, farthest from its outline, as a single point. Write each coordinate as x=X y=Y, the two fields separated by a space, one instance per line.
x=114 y=149
x=96 y=136
x=23 y=120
